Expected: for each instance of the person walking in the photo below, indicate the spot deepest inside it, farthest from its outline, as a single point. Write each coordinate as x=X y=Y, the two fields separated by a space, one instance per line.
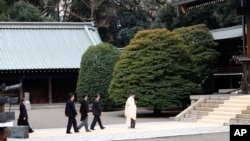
x=84 y=109
x=23 y=116
x=130 y=110
x=96 y=109
x=70 y=112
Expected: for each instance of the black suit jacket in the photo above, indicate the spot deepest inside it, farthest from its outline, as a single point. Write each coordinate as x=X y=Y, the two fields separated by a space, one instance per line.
x=23 y=112
x=70 y=109
x=84 y=109
x=96 y=108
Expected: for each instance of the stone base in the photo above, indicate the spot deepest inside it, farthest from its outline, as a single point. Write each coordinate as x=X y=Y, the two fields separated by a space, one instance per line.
x=19 y=132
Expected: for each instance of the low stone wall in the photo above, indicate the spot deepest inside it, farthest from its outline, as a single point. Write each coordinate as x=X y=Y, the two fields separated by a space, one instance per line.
x=195 y=98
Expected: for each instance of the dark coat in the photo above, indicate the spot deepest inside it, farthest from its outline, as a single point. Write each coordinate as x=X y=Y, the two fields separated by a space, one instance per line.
x=96 y=108
x=23 y=112
x=70 y=109
x=84 y=109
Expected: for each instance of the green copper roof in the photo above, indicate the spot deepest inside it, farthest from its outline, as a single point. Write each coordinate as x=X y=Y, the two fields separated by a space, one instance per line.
x=29 y=45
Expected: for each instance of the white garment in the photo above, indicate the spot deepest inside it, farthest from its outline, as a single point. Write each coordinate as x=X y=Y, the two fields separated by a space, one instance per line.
x=130 y=110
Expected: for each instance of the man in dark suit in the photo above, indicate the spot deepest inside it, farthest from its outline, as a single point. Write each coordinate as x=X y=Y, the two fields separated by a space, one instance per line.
x=84 y=109
x=96 y=109
x=70 y=112
x=23 y=116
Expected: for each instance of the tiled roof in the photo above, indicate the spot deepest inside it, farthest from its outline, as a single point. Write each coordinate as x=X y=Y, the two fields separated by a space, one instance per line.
x=45 y=45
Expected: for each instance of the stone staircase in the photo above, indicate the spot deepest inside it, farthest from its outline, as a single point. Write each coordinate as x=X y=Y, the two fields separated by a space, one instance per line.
x=243 y=118
x=218 y=109
x=200 y=106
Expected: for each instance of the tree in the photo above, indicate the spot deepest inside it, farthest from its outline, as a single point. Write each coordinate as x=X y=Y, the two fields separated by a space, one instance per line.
x=3 y=9
x=22 y=11
x=156 y=64
x=220 y=15
x=166 y=17
x=96 y=70
x=201 y=49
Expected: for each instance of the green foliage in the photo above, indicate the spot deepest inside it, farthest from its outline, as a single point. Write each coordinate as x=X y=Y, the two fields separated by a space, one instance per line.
x=96 y=70
x=166 y=17
x=3 y=9
x=214 y=16
x=126 y=34
x=22 y=11
x=156 y=64
x=201 y=48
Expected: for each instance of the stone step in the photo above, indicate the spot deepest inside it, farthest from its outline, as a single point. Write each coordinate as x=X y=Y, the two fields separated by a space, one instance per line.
x=243 y=116
x=239 y=120
x=245 y=111
x=241 y=102
x=242 y=97
x=188 y=120
x=204 y=108
x=234 y=106
x=229 y=110
x=219 y=118
x=237 y=124
x=228 y=114
x=220 y=97
x=219 y=101
x=199 y=112
x=214 y=105
x=193 y=116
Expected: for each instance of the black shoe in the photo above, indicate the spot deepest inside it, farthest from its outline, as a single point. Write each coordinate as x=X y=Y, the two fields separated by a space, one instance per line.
x=76 y=131
x=31 y=131
x=68 y=132
x=102 y=127
x=88 y=131
x=92 y=128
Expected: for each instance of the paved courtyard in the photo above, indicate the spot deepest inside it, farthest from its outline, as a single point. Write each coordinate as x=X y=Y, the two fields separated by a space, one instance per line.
x=49 y=123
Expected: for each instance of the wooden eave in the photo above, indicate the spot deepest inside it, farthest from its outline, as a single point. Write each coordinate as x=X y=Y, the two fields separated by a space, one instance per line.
x=195 y=2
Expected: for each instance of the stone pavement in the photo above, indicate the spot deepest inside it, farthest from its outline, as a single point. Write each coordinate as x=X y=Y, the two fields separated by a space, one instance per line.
x=145 y=130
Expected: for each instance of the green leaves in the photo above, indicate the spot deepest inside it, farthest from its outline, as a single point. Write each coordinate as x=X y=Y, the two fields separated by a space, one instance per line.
x=22 y=11
x=163 y=67
x=96 y=70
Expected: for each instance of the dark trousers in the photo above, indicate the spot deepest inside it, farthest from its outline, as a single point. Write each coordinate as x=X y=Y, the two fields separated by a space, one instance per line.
x=72 y=121
x=132 y=123
x=25 y=122
x=96 y=119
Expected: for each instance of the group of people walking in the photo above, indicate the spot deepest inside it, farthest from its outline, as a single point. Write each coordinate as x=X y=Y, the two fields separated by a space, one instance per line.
x=71 y=113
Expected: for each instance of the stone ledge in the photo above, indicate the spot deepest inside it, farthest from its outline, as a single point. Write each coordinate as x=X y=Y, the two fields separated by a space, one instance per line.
x=7 y=116
x=19 y=132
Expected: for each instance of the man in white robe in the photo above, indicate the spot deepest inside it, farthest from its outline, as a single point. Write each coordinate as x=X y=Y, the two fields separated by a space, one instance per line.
x=130 y=110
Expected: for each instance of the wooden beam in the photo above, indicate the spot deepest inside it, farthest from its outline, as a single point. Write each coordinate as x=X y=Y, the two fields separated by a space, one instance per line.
x=182 y=2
